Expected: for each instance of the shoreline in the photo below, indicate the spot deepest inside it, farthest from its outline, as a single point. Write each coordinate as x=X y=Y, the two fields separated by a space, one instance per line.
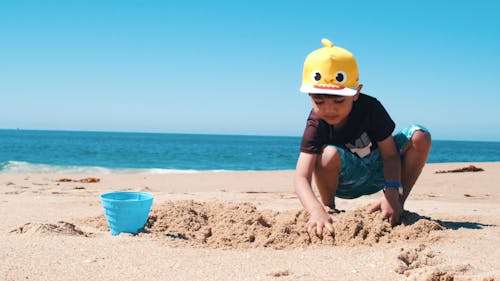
x=98 y=170
x=467 y=204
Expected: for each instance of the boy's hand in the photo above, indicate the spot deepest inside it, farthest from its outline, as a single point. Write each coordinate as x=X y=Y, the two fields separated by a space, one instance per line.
x=320 y=219
x=390 y=206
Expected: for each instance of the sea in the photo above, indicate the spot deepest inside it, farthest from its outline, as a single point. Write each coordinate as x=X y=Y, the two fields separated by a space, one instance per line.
x=75 y=152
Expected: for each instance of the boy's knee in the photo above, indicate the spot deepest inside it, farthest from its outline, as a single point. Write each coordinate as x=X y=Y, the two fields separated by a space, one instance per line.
x=329 y=159
x=421 y=141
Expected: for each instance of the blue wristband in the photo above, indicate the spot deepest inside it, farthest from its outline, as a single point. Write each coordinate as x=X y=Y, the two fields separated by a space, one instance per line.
x=393 y=184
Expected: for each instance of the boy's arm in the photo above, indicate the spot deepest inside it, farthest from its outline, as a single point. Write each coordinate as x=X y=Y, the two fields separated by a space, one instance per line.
x=302 y=182
x=390 y=204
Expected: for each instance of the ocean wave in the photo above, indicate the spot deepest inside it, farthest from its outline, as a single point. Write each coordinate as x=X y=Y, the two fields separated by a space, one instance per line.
x=19 y=167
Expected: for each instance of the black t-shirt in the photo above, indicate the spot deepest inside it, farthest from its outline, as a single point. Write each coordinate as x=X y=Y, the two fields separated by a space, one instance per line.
x=367 y=123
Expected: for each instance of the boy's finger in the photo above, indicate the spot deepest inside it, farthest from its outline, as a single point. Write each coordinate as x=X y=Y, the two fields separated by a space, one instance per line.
x=374 y=208
x=330 y=228
x=385 y=215
x=309 y=228
x=319 y=231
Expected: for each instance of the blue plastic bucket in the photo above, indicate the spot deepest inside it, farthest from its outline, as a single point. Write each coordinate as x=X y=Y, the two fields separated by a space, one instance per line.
x=126 y=211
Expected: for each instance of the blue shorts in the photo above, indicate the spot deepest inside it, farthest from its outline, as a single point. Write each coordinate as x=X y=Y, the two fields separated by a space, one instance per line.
x=363 y=176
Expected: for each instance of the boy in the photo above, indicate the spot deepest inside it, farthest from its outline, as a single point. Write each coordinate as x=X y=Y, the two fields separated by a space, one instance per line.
x=348 y=145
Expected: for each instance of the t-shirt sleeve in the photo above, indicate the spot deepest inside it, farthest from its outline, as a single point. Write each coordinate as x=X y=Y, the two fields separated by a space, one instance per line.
x=382 y=123
x=311 y=139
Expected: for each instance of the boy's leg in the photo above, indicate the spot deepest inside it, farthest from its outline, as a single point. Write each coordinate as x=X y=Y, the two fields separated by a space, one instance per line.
x=326 y=175
x=413 y=158
x=339 y=173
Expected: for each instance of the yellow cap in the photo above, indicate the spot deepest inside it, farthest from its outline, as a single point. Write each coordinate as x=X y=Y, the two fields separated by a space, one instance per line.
x=330 y=70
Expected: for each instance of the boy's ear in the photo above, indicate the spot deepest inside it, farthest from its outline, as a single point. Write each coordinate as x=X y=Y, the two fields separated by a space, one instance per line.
x=355 y=97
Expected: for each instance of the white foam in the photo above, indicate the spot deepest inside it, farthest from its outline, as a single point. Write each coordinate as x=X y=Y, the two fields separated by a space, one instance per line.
x=19 y=167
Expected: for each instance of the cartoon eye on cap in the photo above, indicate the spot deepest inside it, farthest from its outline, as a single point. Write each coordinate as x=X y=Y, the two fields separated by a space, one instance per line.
x=340 y=76
x=316 y=76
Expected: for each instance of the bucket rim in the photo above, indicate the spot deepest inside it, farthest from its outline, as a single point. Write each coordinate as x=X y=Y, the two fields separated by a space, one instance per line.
x=148 y=196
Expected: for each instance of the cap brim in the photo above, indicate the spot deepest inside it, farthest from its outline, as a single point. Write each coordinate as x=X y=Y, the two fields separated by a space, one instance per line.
x=349 y=92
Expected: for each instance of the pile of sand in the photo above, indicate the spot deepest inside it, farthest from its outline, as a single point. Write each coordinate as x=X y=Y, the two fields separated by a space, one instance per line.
x=233 y=225
x=59 y=228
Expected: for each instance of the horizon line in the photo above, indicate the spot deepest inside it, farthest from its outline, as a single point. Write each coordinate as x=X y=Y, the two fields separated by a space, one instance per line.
x=198 y=133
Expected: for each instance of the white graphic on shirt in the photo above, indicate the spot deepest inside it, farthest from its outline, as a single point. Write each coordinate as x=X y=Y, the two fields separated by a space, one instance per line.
x=362 y=145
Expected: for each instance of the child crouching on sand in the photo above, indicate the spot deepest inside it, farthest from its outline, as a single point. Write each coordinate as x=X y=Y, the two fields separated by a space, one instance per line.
x=348 y=144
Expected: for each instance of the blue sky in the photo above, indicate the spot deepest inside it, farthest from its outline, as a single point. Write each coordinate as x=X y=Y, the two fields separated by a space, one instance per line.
x=234 y=67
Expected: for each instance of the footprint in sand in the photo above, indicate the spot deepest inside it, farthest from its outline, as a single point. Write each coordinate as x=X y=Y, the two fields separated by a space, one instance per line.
x=425 y=264
x=418 y=257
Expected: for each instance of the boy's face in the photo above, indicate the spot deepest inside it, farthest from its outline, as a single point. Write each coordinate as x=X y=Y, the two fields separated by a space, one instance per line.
x=333 y=109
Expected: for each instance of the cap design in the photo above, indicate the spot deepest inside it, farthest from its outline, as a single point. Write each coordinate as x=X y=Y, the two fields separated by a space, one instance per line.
x=330 y=70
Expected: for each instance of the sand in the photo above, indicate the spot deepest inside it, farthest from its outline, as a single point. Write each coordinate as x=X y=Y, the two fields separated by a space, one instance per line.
x=247 y=226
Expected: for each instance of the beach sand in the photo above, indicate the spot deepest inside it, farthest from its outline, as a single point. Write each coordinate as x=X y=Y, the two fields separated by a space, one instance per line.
x=247 y=226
